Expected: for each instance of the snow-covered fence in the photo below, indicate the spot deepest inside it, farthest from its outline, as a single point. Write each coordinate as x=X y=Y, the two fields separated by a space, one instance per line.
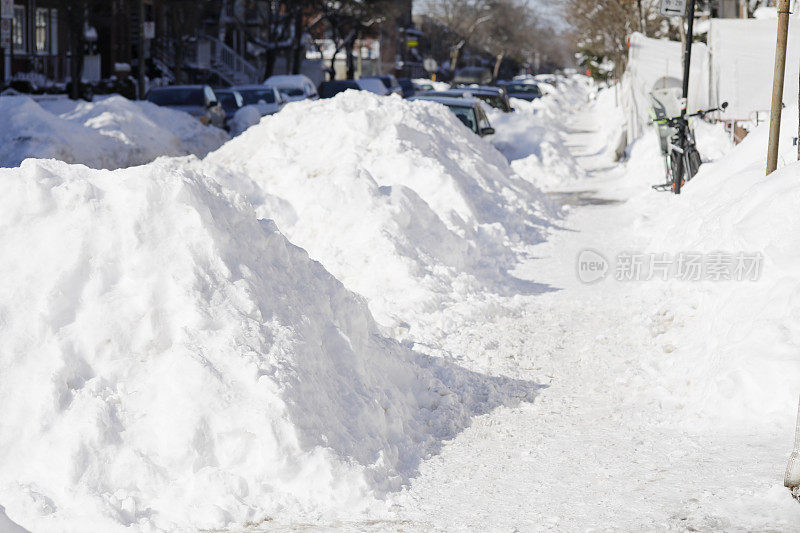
x=649 y=61
x=742 y=62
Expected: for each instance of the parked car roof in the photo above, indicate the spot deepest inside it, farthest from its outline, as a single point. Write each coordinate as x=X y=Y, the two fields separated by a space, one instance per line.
x=388 y=80
x=492 y=96
x=252 y=86
x=446 y=100
x=473 y=90
x=373 y=85
x=288 y=80
x=176 y=87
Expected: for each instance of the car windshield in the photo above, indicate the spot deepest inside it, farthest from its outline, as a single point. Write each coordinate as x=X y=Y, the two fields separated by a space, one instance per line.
x=291 y=91
x=227 y=101
x=527 y=88
x=466 y=115
x=253 y=96
x=177 y=97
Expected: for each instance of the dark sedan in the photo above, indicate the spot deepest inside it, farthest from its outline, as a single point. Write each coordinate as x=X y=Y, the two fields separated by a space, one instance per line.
x=521 y=90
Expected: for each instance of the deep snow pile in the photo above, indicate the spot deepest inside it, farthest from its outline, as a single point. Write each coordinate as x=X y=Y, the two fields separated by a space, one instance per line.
x=736 y=343
x=532 y=138
x=167 y=360
x=730 y=347
x=110 y=133
x=397 y=199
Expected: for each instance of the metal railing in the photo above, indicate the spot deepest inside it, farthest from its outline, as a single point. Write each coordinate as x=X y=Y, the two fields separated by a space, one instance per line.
x=225 y=58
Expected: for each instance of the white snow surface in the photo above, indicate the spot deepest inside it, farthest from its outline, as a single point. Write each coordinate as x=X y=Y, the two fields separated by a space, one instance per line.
x=670 y=405
x=533 y=137
x=109 y=133
x=168 y=361
x=244 y=118
x=397 y=199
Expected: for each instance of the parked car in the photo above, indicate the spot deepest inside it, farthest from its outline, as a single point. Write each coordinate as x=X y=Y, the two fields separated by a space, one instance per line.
x=294 y=87
x=389 y=81
x=467 y=110
x=230 y=101
x=266 y=98
x=408 y=86
x=492 y=96
x=373 y=85
x=472 y=76
x=523 y=91
x=329 y=89
x=197 y=100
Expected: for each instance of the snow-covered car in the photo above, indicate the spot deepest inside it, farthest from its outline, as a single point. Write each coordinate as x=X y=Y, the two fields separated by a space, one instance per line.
x=468 y=111
x=523 y=90
x=329 y=89
x=266 y=98
x=388 y=81
x=294 y=87
x=197 y=100
x=230 y=101
x=492 y=96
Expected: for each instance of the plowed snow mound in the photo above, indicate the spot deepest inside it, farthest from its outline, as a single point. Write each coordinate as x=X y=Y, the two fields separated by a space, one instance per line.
x=532 y=138
x=733 y=333
x=110 y=133
x=167 y=360
x=397 y=199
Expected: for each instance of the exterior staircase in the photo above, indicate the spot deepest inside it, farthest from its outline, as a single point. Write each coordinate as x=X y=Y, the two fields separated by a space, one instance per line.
x=229 y=65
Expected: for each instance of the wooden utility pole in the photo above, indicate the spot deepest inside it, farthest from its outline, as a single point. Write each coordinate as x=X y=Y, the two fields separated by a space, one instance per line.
x=777 y=87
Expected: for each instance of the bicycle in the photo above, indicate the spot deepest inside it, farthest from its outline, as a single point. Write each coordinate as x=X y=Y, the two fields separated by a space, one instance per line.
x=682 y=158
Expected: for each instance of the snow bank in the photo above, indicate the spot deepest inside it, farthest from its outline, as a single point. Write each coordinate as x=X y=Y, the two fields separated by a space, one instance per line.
x=110 y=133
x=7 y=525
x=397 y=199
x=532 y=138
x=244 y=118
x=730 y=347
x=31 y=132
x=168 y=361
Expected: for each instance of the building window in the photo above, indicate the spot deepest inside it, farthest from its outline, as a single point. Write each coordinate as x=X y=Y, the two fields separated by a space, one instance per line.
x=42 y=30
x=18 y=28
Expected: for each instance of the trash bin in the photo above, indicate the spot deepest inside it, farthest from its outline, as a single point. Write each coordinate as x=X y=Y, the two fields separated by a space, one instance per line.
x=665 y=103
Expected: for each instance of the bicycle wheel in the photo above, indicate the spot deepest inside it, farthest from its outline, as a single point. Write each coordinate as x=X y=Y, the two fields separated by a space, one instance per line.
x=694 y=161
x=676 y=166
